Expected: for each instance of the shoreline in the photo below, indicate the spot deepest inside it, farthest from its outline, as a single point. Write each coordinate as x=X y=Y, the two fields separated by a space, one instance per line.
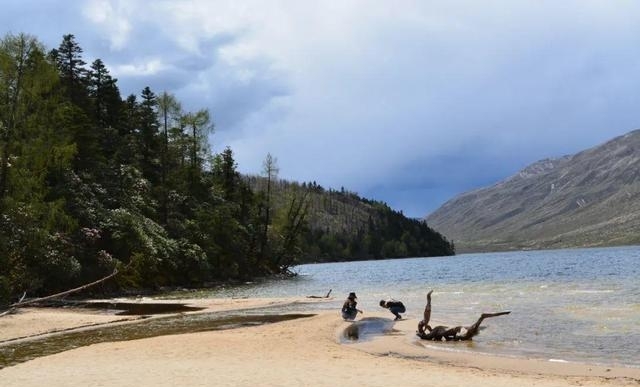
x=307 y=349
x=404 y=344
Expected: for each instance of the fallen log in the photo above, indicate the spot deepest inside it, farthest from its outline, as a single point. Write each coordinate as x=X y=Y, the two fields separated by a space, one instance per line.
x=11 y=310
x=22 y=303
x=325 y=296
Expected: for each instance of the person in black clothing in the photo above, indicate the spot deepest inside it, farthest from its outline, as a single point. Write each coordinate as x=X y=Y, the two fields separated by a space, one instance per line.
x=349 y=308
x=395 y=307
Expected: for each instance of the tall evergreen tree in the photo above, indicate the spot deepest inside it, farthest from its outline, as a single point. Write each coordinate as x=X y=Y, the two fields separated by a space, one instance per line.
x=127 y=129
x=199 y=125
x=226 y=174
x=104 y=93
x=169 y=111
x=106 y=116
x=73 y=82
x=148 y=135
x=68 y=57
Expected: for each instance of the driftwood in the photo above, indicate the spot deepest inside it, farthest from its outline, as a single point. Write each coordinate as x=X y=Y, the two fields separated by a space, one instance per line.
x=11 y=310
x=449 y=334
x=325 y=296
x=453 y=334
x=22 y=303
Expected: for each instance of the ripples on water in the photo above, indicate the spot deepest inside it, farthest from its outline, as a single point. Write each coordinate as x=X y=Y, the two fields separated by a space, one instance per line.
x=574 y=305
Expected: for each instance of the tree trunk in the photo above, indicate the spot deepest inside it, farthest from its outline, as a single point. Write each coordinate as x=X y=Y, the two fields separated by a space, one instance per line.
x=21 y=303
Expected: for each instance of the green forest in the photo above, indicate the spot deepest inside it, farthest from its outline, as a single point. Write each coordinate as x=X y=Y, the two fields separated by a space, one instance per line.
x=91 y=181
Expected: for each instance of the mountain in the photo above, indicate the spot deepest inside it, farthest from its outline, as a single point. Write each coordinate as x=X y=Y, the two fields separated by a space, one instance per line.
x=588 y=199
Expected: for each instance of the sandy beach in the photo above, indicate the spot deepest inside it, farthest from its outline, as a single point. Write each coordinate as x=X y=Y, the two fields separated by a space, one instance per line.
x=302 y=352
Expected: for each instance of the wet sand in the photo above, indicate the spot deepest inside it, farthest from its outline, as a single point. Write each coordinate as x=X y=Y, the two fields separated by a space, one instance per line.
x=307 y=352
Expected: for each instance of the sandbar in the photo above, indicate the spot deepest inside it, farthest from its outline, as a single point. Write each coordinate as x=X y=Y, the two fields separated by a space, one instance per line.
x=303 y=352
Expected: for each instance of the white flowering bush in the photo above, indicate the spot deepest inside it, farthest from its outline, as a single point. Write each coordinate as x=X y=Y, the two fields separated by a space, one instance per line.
x=137 y=239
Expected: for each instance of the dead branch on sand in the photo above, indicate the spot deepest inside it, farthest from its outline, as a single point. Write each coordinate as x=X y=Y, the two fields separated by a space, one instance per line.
x=21 y=303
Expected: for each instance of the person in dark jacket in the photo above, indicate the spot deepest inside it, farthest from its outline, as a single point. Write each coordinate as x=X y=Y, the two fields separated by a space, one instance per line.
x=349 y=308
x=395 y=307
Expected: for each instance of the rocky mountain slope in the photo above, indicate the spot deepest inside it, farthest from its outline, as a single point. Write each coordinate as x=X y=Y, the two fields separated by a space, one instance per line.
x=591 y=198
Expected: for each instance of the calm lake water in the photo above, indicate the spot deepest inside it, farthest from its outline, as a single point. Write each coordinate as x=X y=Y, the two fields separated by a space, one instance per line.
x=567 y=305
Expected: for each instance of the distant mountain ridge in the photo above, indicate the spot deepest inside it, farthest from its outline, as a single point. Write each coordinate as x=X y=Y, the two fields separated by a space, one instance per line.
x=591 y=198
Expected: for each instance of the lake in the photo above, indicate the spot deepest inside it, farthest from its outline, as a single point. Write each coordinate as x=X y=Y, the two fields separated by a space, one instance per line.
x=566 y=305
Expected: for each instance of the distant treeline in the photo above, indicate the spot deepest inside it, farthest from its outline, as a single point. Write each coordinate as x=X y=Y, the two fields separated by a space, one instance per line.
x=90 y=182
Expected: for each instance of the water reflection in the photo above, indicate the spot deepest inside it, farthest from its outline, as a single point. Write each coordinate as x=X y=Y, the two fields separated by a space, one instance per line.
x=138 y=308
x=367 y=328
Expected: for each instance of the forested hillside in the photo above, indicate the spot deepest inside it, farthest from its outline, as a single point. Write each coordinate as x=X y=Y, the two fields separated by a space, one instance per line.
x=91 y=181
x=344 y=226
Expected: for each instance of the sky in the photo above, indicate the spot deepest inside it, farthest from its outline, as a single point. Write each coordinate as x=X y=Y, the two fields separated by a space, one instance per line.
x=406 y=102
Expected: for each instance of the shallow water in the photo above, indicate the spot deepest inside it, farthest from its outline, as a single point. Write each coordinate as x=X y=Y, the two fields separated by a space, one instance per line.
x=366 y=328
x=129 y=308
x=574 y=305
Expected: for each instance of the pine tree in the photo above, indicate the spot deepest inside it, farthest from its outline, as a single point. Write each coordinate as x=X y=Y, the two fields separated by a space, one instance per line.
x=226 y=174
x=104 y=93
x=169 y=111
x=148 y=136
x=199 y=125
x=68 y=57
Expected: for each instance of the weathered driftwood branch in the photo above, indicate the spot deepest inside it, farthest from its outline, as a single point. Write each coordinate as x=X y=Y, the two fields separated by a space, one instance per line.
x=325 y=296
x=11 y=310
x=454 y=334
x=22 y=303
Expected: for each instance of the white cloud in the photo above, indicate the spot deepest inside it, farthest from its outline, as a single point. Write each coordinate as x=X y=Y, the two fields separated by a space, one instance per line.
x=113 y=18
x=142 y=68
